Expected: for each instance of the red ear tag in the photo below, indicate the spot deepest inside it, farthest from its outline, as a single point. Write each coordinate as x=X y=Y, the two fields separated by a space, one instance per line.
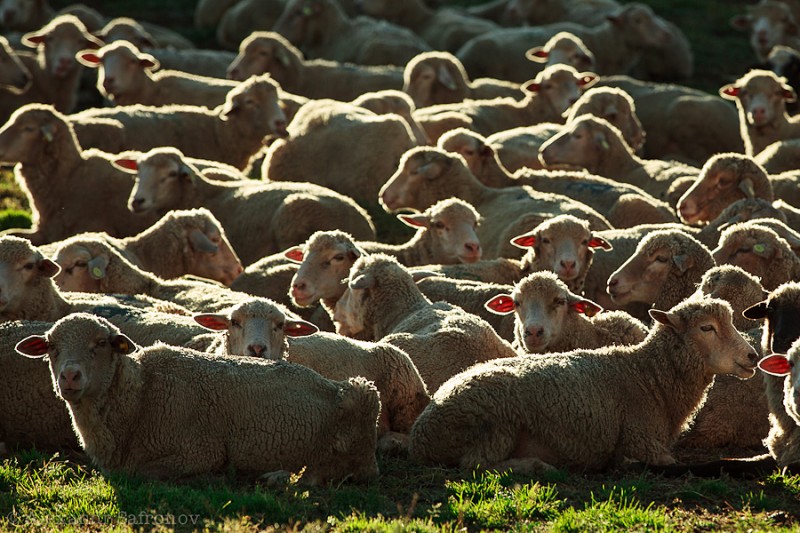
x=775 y=365
x=586 y=308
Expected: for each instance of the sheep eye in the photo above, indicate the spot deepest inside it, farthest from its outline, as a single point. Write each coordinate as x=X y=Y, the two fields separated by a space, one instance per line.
x=279 y=325
x=80 y=264
x=236 y=323
x=545 y=240
x=707 y=328
x=101 y=343
x=173 y=174
x=338 y=257
x=743 y=250
x=585 y=242
x=438 y=225
x=561 y=301
x=28 y=266
x=662 y=258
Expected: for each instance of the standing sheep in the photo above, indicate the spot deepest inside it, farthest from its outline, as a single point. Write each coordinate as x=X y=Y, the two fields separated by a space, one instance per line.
x=770 y=23
x=586 y=409
x=167 y=412
x=282 y=214
x=383 y=302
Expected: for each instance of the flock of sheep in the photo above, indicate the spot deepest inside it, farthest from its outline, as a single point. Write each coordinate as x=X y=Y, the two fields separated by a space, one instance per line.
x=599 y=262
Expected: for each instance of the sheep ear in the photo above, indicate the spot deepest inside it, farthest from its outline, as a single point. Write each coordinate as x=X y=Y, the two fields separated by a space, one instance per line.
x=149 y=62
x=524 y=241
x=97 y=266
x=48 y=268
x=746 y=186
x=788 y=94
x=538 y=54
x=587 y=79
x=431 y=170
x=683 y=262
x=668 y=319
x=128 y=165
x=757 y=311
x=419 y=275
x=585 y=307
x=446 y=78
x=32 y=39
x=295 y=254
x=200 y=242
x=531 y=86
x=213 y=322
x=729 y=92
x=35 y=347
x=123 y=344
x=502 y=304
x=299 y=328
x=776 y=365
x=415 y=221
x=741 y=22
x=599 y=242
x=364 y=281
x=88 y=58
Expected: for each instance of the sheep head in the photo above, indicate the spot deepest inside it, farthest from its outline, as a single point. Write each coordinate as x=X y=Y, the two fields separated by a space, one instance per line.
x=325 y=262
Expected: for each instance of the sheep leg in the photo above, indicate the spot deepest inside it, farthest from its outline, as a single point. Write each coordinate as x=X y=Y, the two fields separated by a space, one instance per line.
x=526 y=466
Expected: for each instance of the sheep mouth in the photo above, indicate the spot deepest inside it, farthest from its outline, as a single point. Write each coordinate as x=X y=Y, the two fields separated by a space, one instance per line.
x=745 y=371
x=469 y=258
x=71 y=395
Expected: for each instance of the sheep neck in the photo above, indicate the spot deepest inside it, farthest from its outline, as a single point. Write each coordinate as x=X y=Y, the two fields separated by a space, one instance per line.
x=42 y=301
x=466 y=186
x=612 y=52
x=406 y=299
x=417 y=249
x=618 y=163
x=149 y=249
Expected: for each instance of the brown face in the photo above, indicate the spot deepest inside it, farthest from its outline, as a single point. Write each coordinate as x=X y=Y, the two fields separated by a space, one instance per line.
x=641 y=278
x=708 y=197
x=321 y=275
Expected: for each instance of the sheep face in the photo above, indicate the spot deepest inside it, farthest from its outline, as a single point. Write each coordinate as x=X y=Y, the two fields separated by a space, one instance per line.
x=769 y=24
x=642 y=277
x=30 y=132
x=735 y=286
x=784 y=61
x=257 y=328
x=253 y=105
x=325 y=264
x=21 y=267
x=304 y=21
x=14 y=76
x=58 y=44
x=616 y=107
x=18 y=15
x=580 y=145
x=781 y=312
x=469 y=146
x=84 y=353
x=262 y=52
x=209 y=254
x=125 y=29
x=563 y=49
x=752 y=248
x=559 y=87
x=81 y=268
x=347 y=316
x=641 y=27
x=162 y=183
x=415 y=183
x=761 y=97
x=451 y=226
x=435 y=78
x=122 y=72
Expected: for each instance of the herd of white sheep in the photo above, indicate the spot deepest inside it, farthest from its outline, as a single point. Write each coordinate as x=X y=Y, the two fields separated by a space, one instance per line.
x=601 y=261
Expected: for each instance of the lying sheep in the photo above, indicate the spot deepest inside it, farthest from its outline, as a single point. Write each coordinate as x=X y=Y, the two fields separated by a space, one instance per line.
x=391 y=101
x=664 y=270
x=126 y=76
x=760 y=251
x=761 y=98
x=434 y=78
x=230 y=133
x=547 y=97
x=586 y=409
x=427 y=175
x=770 y=23
x=592 y=143
x=32 y=415
x=367 y=147
x=550 y=318
x=60 y=179
x=321 y=29
x=165 y=180
x=269 y=52
x=180 y=413
x=441 y=340
x=262 y=330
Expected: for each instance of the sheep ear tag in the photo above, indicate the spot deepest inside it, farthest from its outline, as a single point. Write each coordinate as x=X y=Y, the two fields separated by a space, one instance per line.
x=123 y=344
x=299 y=328
x=294 y=254
x=212 y=322
x=34 y=347
x=585 y=307
x=502 y=304
x=775 y=365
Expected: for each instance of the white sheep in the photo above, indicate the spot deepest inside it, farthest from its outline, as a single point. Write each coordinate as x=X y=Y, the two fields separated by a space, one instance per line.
x=22 y=80
x=165 y=180
x=770 y=23
x=585 y=409
x=269 y=52
x=383 y=303
x=211 y=63
x=392 y=101
x=167 y=412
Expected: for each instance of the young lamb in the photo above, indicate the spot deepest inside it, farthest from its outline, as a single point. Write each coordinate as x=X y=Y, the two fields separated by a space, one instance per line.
x=770 y=23
x=166 y=412
x=441 y=339
x=761 y=98
x=321 y=29
x=366 y=146
x=259 y=328
x=547 y=97
x=760 y=251
x=126 y=76
x=60 y=179
x=550 y=318
x=165 y=181
x=269 y=52
x=230 y=133
x=434 y=78
x=665 y=269
x=428 y=175
x=592 y=143
x=585 y=409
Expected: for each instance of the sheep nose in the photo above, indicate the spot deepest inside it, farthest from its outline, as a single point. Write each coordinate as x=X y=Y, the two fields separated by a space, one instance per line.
x=299 y=286
x=613 y=282
x=473 y=247
x=137 y=203
x=534 y=331
x=108 y=83
x=758 y=113
x=753 y=357
x=233 y=74
x=255 y=350
x=70 y=378
x=280 y=128
x=568 y=265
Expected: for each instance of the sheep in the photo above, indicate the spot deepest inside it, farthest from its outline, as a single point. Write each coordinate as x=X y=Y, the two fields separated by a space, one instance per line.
x=125 y=76
x=259 y=328
x=770 y=23
x=780 y=156
x=269 y=52
x=592 y=143
x=32 y=415
x=167 y=412
x=144 y=35
x=367 y=147
x=244 y=18
x=618 y=403
x=519 y=147
x=210 y=63
x=383 y=302
x=538 y=12
x=59 y=179
x=321 y=29
x=665 y=268
x=208 y=13
x=547 y=96
x=427 y=175
x=617 y=44
x=230 y=133
x=550 y=318
x=761 y=98
x=563 y=47
x=434 y=78
x=785 y=63
x=397 y=102
x=22 y=80
x=760 y=251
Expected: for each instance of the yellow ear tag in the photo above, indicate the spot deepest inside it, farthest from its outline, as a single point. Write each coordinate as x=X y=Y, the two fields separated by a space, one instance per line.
x=123 y=346
x=604 y=145
x=97 y=272
x=759 y=248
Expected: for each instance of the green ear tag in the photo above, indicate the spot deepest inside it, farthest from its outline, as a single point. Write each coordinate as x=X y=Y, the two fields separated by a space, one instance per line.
x=308 y=11
x=97 y=272
x=759 y=248
x=604 y=145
